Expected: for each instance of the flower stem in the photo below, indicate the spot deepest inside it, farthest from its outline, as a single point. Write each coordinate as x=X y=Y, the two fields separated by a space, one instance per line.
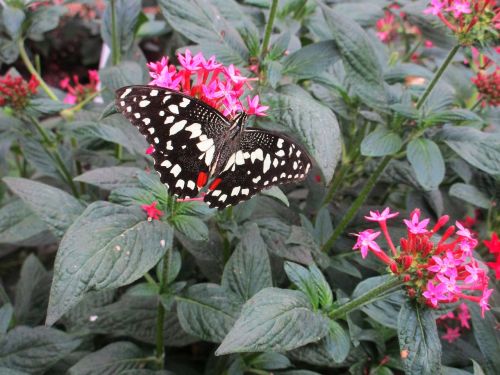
x=437 y=76
x=357 y=203
x=160 y=318
x=115 y=45
x=366 y=298
x=269 y=29
x=33 y=71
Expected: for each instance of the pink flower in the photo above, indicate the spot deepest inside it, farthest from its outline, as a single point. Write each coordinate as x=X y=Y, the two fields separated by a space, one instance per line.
x=463 y=232
x=152 y=212
x=231 y=106
x=158 y=66
x=366 y=242
x=167 y=78
x=209 y=90
x=435 y=293
x=226 y=90
x=234 y=75
x=70 y=99
x=473 y=274
x=150 y=150
x=254 y=108
x=190 y=63
x=451 y=334
x=428 y=44
x=415 y=226
x=483 y=303
x=450 y=283
x=435 y=8
x=459 y=7
x=463 y=316
x=377 y=216
x=210 y=64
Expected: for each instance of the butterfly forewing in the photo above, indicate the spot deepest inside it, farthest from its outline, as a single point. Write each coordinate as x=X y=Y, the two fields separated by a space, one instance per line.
x=184 y=132
x=264 y=159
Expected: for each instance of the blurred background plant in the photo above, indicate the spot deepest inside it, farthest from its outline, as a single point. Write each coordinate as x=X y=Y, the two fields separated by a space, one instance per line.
x=397 y=102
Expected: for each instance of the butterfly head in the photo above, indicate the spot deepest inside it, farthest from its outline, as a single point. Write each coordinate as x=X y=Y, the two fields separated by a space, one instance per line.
x=239 y=121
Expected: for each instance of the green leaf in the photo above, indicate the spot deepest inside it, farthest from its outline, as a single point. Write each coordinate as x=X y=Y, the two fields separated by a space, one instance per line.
x=112 y=359
x=32 y=292
x=126 y=15
x=124 y=74
x=207 y=311
x=6 y=315
x=35 y=350
x=487 y=338
x=202 y=23
x=12 y=21
x=362 y=68
x=44 y=19
x=419 y=339
x=323 y=227
x=315 y=123
x=174 y=266
x=312 y=283
x=427 y=162
x=338 y=342
x=133 y=316
x=274 y=320
x=311 y=60
x=277 y=193
x=110 y=178
x=386 y=307
x=249 y=269
x=452 y=115
x=47 y=106
x=270 y=361
x=381 y=142
x=477 y=148
x=19 y=225
x=470 y=194
x=191 y=226
x=8 y=371
x=108 y=246
x=55 y=207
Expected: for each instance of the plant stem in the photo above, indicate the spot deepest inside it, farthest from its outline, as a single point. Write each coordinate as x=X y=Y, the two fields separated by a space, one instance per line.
x=366 y=298
x=55 y=155
x=160 y=318
x=476 y=104
x=437 y=76
x=337 y=180
x=33 y=71
x=363 y=194
x=269 y=29
x=115 y=45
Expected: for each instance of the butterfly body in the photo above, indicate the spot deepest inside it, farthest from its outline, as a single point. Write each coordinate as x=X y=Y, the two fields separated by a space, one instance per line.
x=196 y=147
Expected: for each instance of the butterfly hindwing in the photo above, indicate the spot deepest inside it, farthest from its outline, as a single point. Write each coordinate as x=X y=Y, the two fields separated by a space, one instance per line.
x=184 y=132
x=264 y=159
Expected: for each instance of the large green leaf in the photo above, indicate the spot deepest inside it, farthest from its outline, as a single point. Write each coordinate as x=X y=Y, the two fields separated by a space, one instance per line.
x=112 y=359
x=248 y=270
x=201 y=22
x=381 y=142
x=55 y=207
x=486 y=337
x=419 y=339
x=315 y=123
x=110 y=178
x=32 y=292
x=311 y=60
x=477 y=148
x=359 y=57
x=34 y=350
x=470 y=194
x=124 y=74
x=337 y=342
x=126 y=15
x=12 y=21
x=275 y=320
x=135 y=317
x=427 y=162
x=191 y=226
x=108 y=246
x=19 y=225
x=207 y=311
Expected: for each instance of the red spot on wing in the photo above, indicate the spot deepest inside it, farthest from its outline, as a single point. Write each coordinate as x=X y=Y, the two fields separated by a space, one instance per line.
x=202 y=179
x=215 y=183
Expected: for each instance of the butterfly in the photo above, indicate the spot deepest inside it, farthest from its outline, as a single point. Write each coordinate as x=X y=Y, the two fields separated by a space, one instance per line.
x=195 y=146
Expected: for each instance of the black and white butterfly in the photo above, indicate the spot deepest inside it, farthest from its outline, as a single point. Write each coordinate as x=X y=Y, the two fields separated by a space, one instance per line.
x=194 y=143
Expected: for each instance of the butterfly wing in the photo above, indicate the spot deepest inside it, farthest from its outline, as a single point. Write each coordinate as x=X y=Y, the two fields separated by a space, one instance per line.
x=265 y=159
x=183 y=130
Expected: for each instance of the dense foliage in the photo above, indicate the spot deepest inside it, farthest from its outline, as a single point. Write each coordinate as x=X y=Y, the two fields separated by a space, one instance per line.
x=386 y=259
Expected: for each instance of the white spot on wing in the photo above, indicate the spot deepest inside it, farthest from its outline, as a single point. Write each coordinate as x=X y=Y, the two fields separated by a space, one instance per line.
x=144 y=103
x=209 y=155
x=151 y=130
x=166 y=163
x=177 y=127
x=245 y=191
x=173 y=108
x=184 y=103
x=280 y=143
x=169 y=145
x=280 y=153
x=125 y=93
x=153 y=93
x=191 y=184
x=205 y=145
x=216 y=193
x=257 y=154
x=180 y=184
x=267 y=163
x=235 y=191
x=156 y=140
x=240 y=160
x=146 y=120
x=256 y=179
x=195 y=130
x=176 y=169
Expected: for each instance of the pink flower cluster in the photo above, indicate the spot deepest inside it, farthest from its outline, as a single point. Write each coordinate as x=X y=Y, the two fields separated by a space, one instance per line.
x=455 y=322
x=470 y=19
x=435 y=271
x=208 y=80
x=76 y=91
